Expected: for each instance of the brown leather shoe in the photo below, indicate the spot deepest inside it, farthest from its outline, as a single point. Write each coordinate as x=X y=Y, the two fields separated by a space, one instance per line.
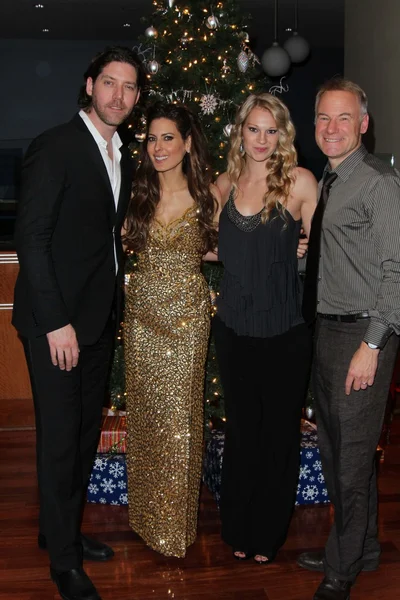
x=314 y=561
x=333 y=589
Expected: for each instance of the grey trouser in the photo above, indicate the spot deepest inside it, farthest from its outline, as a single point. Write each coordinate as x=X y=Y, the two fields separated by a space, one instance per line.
x=348 y=430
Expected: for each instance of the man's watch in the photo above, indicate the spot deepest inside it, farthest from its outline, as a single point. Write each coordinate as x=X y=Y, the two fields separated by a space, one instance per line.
x=372 y=346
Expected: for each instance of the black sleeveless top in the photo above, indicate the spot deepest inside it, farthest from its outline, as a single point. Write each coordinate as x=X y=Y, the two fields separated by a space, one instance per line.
x=260 y=292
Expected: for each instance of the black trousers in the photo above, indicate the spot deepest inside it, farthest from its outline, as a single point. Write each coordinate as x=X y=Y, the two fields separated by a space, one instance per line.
x=264 y=382
x=68 y=407
x=348 y=432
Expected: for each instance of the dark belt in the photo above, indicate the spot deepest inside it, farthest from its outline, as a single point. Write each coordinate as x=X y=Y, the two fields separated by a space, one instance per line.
x=346 y=318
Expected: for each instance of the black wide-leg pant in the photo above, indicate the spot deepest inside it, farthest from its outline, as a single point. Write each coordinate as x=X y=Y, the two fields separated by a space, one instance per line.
x=68 y=408
x=265 y=382
x=348 y=433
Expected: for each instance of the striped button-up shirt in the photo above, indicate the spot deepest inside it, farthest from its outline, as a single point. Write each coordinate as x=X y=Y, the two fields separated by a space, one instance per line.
x=359 y=265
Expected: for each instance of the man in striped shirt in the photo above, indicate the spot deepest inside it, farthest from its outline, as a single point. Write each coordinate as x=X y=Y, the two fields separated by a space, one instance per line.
x=357 y=300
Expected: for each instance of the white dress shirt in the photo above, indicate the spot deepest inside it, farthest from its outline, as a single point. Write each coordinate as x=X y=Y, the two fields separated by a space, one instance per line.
x=113 y=165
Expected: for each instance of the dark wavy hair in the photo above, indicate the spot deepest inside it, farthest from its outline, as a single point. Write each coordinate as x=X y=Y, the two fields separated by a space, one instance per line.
x=146 y=187
x=110 y=54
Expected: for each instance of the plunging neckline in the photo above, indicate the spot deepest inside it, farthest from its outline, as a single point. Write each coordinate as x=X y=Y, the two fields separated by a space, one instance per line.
x=183 y=215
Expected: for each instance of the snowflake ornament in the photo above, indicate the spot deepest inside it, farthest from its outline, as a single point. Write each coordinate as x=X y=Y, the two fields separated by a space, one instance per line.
x=209 y=104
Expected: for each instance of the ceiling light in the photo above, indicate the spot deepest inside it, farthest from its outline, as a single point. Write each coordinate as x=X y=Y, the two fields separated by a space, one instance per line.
x=45 y=30
x=126 y=25
x=39 y=5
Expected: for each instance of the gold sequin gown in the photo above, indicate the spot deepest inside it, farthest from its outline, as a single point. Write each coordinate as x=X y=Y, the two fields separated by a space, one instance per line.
x=166 y=332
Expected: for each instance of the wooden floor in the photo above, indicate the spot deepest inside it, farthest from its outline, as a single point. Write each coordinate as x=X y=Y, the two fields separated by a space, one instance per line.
x=207 y=573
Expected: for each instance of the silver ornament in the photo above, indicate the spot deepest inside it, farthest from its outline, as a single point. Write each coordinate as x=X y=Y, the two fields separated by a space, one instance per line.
x=297 y=47
x=309 y=412
x=227 y=130
x=151 y=32
x=243 y=61
x=275 y=61
x=140 y=136
x=212 y=22
x=153 y=66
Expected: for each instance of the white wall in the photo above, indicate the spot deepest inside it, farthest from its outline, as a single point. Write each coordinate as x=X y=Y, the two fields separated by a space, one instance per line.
x=372 y=59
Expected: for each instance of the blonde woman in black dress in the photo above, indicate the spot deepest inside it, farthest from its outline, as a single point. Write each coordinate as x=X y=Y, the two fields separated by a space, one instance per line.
x=263 y=345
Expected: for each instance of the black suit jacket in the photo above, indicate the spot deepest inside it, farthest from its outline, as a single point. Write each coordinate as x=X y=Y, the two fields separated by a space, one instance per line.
x=64 y=234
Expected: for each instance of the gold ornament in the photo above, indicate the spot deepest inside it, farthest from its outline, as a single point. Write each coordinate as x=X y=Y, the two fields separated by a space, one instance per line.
x=225 y=70
x=151 y=32
x=140 y=136
x=212 y=22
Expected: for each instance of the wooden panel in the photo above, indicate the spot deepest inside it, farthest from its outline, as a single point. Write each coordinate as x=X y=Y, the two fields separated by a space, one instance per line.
x=8 y=276
x=16 y=407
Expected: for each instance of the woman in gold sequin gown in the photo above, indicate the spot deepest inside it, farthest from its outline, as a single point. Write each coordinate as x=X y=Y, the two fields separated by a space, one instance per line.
x=170 y=225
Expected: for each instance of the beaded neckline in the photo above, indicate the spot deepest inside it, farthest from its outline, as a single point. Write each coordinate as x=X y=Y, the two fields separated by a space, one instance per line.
x=242 y=222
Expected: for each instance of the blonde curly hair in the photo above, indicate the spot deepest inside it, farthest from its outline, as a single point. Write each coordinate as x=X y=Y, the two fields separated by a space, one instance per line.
x=280 y=175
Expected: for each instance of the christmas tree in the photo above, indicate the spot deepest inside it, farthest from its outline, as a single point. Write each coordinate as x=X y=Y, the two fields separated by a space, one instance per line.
x=198 y=53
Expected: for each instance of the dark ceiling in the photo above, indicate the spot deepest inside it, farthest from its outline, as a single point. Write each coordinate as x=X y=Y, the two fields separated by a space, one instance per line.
x=321 y=21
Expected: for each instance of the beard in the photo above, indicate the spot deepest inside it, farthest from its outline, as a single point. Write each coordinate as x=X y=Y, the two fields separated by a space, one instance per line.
x=109 y=118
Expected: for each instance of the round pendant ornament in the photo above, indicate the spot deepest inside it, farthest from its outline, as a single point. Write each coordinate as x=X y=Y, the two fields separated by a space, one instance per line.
x=151 y=32
x=212 y=22
x=152 y=67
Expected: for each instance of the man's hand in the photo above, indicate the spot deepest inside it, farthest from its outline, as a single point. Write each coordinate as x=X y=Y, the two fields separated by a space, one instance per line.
x=64 y=349
x=303 y=245
x=362 y=369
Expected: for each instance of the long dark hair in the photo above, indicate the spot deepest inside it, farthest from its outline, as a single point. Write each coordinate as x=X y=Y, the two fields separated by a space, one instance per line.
x=146 y=187
x=110 y=54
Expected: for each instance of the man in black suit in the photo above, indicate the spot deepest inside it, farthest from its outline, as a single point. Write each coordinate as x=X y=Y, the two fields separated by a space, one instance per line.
x=76 y=183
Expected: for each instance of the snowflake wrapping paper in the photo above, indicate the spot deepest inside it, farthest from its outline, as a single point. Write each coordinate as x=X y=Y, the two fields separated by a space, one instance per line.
x=311 y=488
x=108 y=481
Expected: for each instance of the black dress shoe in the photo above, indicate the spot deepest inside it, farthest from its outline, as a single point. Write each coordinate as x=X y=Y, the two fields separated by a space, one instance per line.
x=314 y=561
x=74 y=585
x=333 y=589
x=91 y=549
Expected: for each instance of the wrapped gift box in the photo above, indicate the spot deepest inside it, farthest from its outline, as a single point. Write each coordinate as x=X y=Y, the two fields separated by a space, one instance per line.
x=113 y=434
x=311 y=487
x=108 y=480
x=212 y=464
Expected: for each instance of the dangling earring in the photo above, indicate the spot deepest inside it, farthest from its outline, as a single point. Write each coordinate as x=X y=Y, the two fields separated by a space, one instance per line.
x=241 y=148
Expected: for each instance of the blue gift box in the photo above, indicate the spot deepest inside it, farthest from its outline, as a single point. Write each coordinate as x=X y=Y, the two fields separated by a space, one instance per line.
x=311 y=488
x=108 y=480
